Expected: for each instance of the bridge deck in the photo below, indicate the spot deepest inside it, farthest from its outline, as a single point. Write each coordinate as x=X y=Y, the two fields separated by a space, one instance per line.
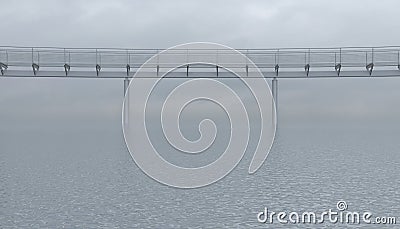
x=273 y=63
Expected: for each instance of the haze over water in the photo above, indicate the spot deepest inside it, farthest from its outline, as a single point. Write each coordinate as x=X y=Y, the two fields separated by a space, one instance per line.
x=63 y=162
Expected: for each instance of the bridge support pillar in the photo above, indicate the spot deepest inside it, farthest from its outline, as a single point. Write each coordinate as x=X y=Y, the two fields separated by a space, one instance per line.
x=275 y=92
x=126 y=84
x=126 y=103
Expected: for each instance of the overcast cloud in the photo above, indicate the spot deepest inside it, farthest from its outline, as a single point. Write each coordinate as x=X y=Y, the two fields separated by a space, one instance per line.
x=241 y=24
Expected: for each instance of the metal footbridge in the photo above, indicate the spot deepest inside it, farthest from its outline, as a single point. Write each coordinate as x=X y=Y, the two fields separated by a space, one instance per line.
x=287 y=63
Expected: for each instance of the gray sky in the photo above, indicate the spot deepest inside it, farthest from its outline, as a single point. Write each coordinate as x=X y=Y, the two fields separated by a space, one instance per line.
x=161 y=24
x=241 y=24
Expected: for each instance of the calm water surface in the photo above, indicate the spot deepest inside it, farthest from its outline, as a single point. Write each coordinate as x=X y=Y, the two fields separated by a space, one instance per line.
x=73 y=171
x=88 y=180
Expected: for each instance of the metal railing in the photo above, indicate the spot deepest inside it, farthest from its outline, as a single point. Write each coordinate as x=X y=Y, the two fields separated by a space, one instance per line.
x=279 y=63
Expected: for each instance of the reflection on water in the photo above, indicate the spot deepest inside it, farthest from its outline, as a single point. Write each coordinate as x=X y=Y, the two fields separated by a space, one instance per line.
x=87 y=179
